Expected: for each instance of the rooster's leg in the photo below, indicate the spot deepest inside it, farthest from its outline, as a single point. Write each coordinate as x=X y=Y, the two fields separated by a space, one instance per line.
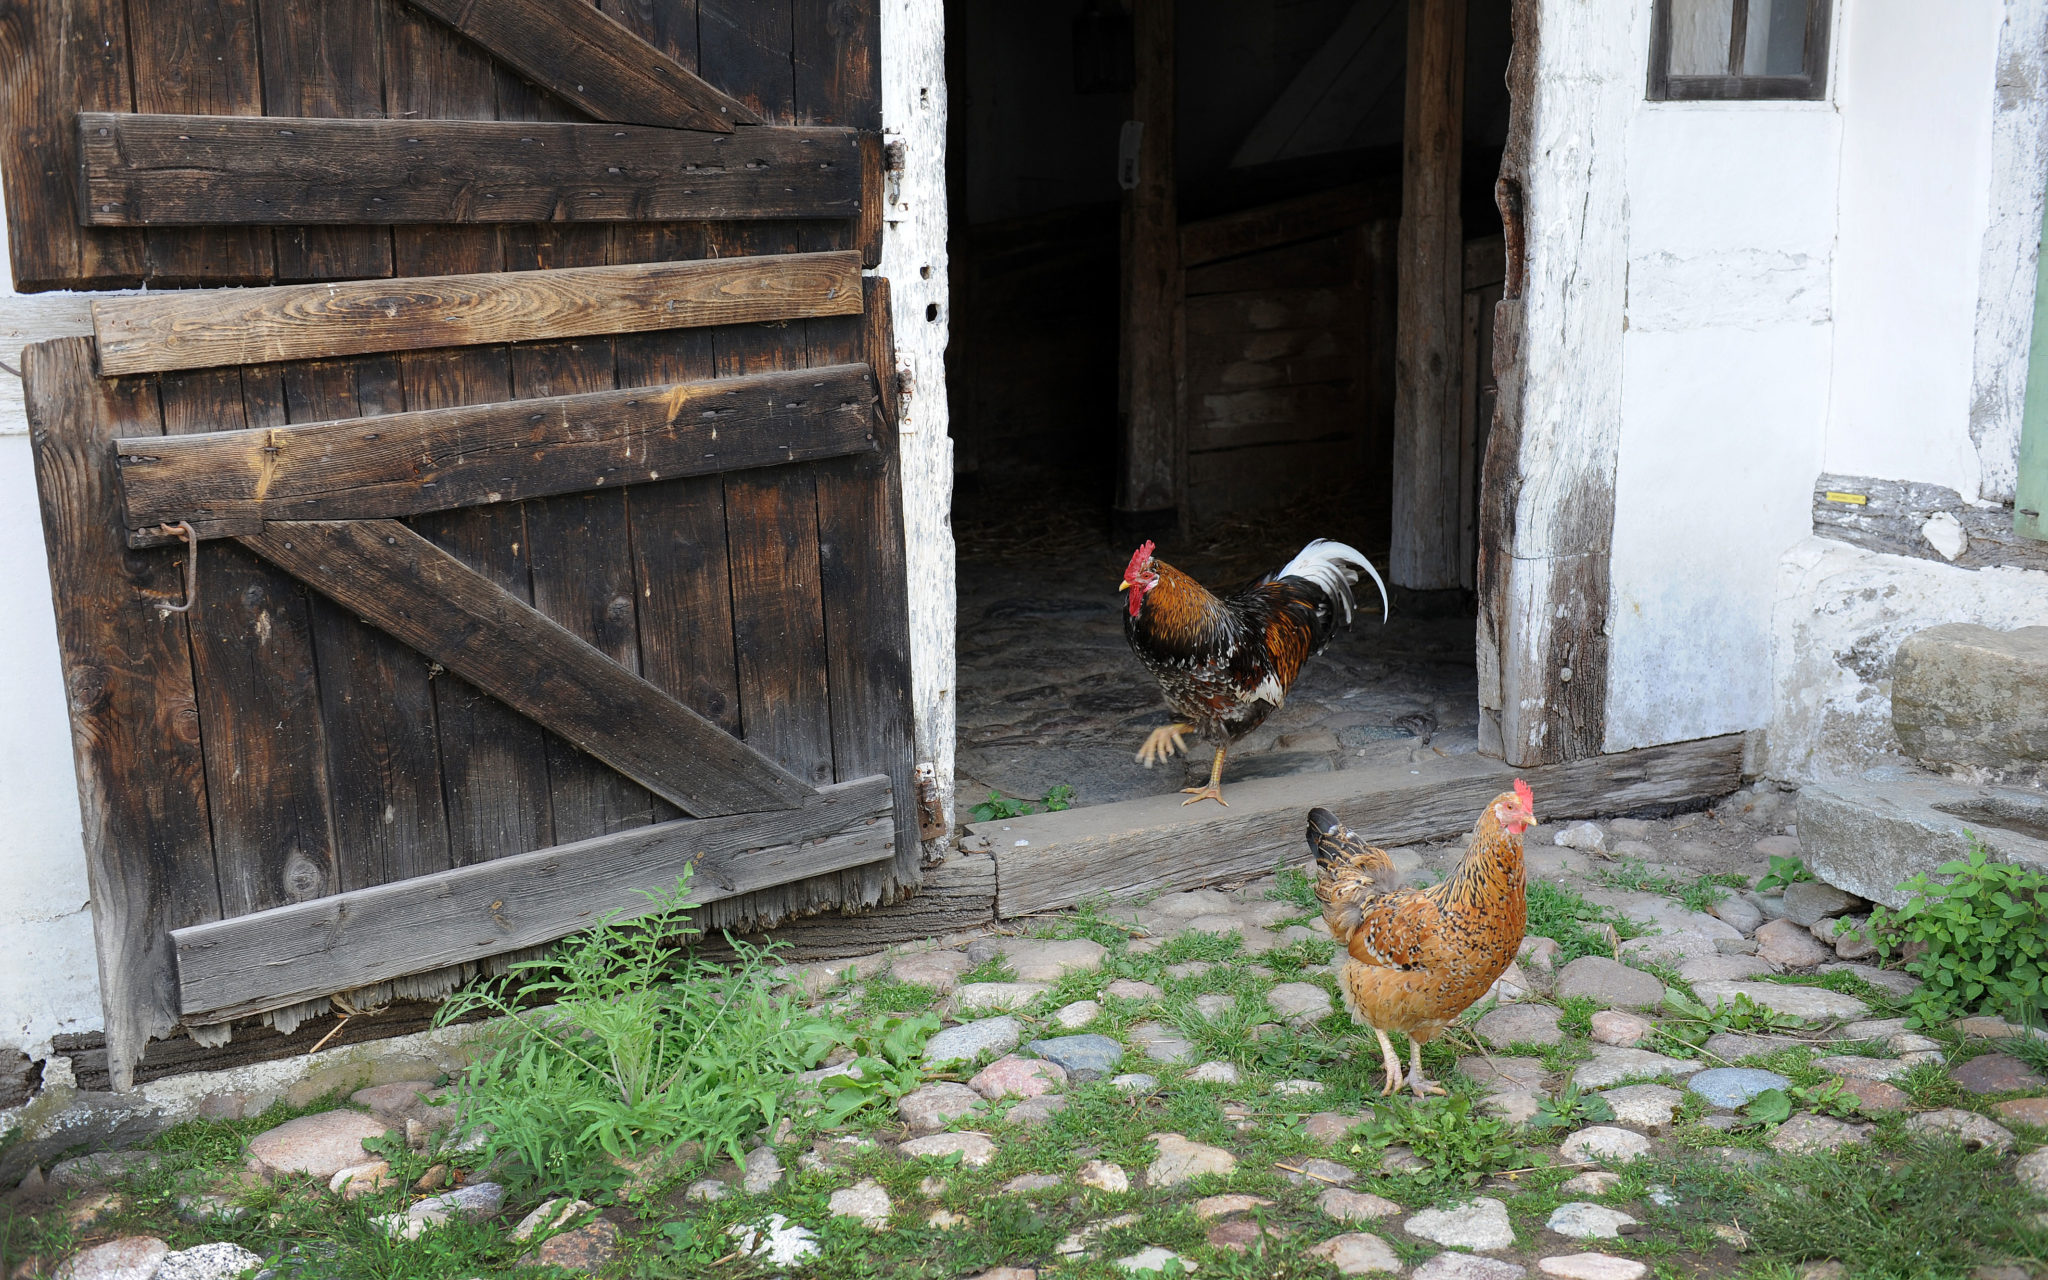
x=1214 y=791
x=1421 y=1084
x=1163 y=742
x=1391 y=1060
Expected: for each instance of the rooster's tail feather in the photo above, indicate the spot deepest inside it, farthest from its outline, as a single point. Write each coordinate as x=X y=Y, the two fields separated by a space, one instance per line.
x=1330 y=566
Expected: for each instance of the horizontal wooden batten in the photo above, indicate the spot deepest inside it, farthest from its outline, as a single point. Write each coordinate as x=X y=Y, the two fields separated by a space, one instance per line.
x=397 y=580
x=272 y=958
x=1135 y=847
x=227 y=483
x=584 y=55
x=152 y=333
x=177 y=171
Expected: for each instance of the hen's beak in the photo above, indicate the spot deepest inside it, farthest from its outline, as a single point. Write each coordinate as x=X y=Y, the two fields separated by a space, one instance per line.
x=1125 y=585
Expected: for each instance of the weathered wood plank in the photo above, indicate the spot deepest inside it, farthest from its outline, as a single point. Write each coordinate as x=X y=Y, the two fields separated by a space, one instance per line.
x=60 y=58
x=1284 y=222
x=199 y=56
x=426 y=597
x=152 y=332
x=258 y=697
x=177 y=170
x=593 y=61
x=134 y=719
x=779 y=624
x=671 y=27
x=319 y=60
x=957 y=894
x=432 y=73
x=1898 y=516
x=287 y=954
x=231 y=482
x=1152 y=474
x=1142 y=846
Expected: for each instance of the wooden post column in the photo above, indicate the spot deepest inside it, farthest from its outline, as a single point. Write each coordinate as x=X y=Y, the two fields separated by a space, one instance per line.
x=1428 y=337
x=1151 y=471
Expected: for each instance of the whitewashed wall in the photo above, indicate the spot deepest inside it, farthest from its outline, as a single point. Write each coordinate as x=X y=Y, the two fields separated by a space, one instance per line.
x=49 y=979
x=1805 y=286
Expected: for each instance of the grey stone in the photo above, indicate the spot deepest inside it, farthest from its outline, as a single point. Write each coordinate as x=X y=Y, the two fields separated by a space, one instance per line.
x=217 y=1261
x=1213 y=1073
x=1213 y=1005
x=1135 y=1082
x=1103 y=1176
x=128 y=1258
x=1805 y=1133
x=1622 y=1030
x=1719 y=968
x=775 y=1240
x=996 y=997
x=475 y=1202
x=974 y=1149
x=1787 y=945
x=1897 y=981
x=865 y=1202
x=1036 y=1111
x=1870 y=835
x=1181 y=1161
x=319 y=1145
x=1079 y=1014
x=2032 y=1171
x=1479 y=1223
x=982 y=950
x=1358 y=1253
x=1153 y=1258
x=1592 y=1266
x=101 y=1167
x=1811 y=1003
x=1970 y=697
x=1581 y=1220
x=939 y=970
x=1848 y=935
x=1732 y=1087
x=1611 y=1066
x=1452 y=1265
x=1187 y=969
x=1738 y=911
x=1299 y=1003
x=1971 y=1129
x=1850 y=1067
x=1519 y=1024
x=1191 y=903
x=1083 y=1058
x=970 y=1040
x=1505 y=1073
x=1046 y=960
x=1605 y=1144
x=1812 y=900
x=1161 y=1043
x=553 y=1215
x=1735 y=946
x=1609 y=982
x=1581 y=835
x=1318 y=1171
x=1646 y=1106
x=1516 y=1106
x=934 y=1106
x=1130 y=989
x=1355 y=1206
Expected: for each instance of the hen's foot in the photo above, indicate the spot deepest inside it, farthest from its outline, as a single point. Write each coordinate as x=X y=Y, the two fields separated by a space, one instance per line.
x=1393 y=1085
x=1210 y=792
x=1422 y=1086
x=1162 y=743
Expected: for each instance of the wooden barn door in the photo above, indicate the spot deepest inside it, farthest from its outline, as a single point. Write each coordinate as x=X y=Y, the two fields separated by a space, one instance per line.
x=532 y=534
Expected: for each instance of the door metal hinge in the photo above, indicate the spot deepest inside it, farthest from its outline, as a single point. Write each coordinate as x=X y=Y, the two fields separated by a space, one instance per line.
x=931 y=809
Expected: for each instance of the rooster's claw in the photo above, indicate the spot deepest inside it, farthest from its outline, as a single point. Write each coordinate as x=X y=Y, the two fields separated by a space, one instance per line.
x=1210 y=792
x=1163 y=742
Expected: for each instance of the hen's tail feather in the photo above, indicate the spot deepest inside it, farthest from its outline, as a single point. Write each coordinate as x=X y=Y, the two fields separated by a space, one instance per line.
x=1349 y=872
x=1329 y=565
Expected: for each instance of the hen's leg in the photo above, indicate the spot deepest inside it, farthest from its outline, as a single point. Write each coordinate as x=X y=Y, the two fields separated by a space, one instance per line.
x=1214 y=791
x=1422 y=1086
x=1163 y=742
x=1392 y=1062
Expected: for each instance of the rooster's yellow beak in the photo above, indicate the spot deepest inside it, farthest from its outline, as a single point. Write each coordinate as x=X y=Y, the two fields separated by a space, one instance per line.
x=1125 y=585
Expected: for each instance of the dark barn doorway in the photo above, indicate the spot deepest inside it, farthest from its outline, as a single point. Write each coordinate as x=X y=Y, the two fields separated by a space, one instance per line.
x=1190 y=331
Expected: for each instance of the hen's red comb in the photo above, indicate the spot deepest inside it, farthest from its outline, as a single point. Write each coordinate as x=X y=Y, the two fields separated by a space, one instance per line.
x=1138 y=559
x=1522 y=794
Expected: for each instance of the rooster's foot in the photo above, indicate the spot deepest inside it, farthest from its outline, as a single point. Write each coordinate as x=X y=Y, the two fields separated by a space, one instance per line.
x=1423 y=1086
x=1162 y=743
x=1210 y=792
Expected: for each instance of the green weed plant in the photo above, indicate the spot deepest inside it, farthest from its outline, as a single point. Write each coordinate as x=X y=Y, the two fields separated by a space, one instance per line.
x=1986 y=939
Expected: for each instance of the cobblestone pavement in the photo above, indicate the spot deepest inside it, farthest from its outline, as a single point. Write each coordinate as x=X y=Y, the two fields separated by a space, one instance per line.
x=1050 y=693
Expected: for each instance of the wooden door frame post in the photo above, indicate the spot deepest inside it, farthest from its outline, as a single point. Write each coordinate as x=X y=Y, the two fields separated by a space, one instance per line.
x=1151 y=472
x=1428 y=344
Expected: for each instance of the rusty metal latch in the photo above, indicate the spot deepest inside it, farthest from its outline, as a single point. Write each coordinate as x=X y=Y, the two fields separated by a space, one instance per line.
x=184 y=530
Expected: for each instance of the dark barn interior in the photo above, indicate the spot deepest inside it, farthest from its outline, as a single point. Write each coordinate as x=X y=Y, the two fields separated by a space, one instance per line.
x=1192 y=335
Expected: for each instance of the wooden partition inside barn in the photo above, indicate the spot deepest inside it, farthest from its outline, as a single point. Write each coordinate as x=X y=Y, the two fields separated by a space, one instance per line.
x=595 y=570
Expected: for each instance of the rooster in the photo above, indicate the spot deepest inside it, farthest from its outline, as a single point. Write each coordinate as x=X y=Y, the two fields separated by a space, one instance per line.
x=1417 y=958
x=1224 y=663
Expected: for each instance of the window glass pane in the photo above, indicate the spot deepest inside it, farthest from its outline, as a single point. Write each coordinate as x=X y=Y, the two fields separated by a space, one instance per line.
x=1699 y=36
x=1774 y=41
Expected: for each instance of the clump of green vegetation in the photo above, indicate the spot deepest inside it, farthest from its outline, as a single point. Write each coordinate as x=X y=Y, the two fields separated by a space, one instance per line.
x=1690 y=1022
x=1577 y=926
x=1569 y=1110
x=1784 y=871
x=1986 y=939
x=885 y=1065
x=1292 y=884
x=1457 y=1144
x=1828 y=1097
x=619 y=1042
x=999 y=806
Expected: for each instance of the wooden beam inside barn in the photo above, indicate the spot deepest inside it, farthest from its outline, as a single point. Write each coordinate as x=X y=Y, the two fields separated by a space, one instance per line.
x=162 y=170
x=1152 y=470
x=399 y=581
x=273 y=958
x=586 y=56
x=405 y=464
x=1429 y=337
x=150 y=333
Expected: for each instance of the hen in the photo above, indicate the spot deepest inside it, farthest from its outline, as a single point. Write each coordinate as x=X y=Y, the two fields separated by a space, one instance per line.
x=1417 y=958
x=1224 y=663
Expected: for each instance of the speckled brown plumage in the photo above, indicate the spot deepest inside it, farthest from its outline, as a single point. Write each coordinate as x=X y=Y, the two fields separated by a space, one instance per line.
x=1417 y=958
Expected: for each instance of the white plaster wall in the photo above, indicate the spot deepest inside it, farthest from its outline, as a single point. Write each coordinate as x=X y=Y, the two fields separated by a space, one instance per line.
x=1725 y=368
x=49 y=979
x=1916 y=88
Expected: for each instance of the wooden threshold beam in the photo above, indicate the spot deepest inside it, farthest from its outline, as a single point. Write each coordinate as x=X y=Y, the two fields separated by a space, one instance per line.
x=1143 y=846
x=227 y=483
x=399 y=581
x=170 y=171
x=584 y=55
x=269 y=959
x=154 y=332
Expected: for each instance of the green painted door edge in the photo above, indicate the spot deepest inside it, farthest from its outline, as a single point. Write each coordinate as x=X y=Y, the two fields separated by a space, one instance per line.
x=2031 y=500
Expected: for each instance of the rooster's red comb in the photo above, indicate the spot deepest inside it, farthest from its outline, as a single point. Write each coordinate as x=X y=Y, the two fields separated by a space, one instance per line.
x=1522 y=794
x=1138 y=559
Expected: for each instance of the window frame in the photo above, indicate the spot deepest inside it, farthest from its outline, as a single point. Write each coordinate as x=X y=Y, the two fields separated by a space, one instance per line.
x=1808 y=86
